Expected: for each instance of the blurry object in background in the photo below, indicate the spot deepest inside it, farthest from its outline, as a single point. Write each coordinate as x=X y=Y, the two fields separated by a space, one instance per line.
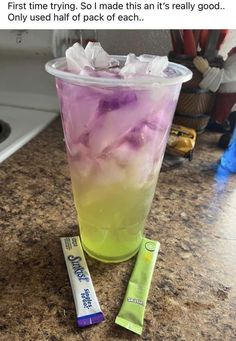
x=172 y=161
x=222 y=37
x=63 y=39
x=228 y=160
x=210 y=49
x=177 y=41
x=203 y=37
x=196 y=34
x=25 y=42
x=179 y=148
x=202 y=42
x=190 y=44
x=224 y=140
x=224 y=104
x=227 y=43
x=226 y=137
x=194 y=102
x=157 y=42
x=195 y=105
x=222 y=80
x=181 y=141
x=198 y=122
x=121 y=42
x=188 y=62
x=201 y=64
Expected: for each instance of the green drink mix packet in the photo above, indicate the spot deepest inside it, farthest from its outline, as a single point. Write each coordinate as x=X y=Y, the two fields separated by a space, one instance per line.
x=131 y=314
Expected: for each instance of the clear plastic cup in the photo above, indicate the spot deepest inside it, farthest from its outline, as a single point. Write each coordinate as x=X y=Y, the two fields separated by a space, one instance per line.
x=115 y=132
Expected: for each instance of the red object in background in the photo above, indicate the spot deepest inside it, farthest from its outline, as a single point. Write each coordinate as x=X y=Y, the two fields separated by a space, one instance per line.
x=223 y=34
x=223 y=105
x=177 y=41
x=203 y=38
x=196 y=34
x=189 y=43
x=88 y=40
x=173 y=41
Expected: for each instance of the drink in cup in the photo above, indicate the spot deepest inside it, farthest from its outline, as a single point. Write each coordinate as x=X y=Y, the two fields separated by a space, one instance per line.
x=115 y=130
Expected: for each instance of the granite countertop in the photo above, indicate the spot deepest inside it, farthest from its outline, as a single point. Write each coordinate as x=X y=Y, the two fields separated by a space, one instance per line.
x=193 y=292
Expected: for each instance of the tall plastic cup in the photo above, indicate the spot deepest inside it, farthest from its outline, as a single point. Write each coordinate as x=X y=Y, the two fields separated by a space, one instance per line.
x=115 y=132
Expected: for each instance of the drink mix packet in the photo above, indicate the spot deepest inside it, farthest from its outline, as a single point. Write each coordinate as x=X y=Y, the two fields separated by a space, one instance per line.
x=87 y=307
x=131 y=314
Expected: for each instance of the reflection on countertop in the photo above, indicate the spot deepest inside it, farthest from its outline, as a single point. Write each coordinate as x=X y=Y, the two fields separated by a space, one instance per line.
x=193 y=293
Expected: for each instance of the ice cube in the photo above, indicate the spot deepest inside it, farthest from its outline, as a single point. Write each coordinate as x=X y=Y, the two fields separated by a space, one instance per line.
x=131 y=58
x=157 y=65
x=148 y=131
x=134 y=68
x=76 y=58
x=79 y=106
x=76 y=151
x=122 y=153
x=140 y=167
x=86 y=60
x=109 y=172
x=98 y=57
x=135 y=137
x=114 y=102
x=88 y=71
x=145 y=64
x=113 y=124
x=82 y=167
x=146 y=58
x=116 y=120
x=84 y=108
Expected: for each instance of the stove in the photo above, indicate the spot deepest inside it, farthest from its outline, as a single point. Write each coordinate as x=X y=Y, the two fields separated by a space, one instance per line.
x=23 y=124
x=28 y=101
x=5 y=130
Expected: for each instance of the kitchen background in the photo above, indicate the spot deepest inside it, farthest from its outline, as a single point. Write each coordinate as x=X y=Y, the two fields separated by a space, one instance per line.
x=28 y=101
x=193 y=216
x=114 y=41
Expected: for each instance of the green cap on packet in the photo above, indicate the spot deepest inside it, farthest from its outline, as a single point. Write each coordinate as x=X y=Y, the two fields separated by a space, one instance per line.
x=131 y=314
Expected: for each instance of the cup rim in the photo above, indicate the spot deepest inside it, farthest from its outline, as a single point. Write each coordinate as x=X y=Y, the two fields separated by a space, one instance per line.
x=181 y=75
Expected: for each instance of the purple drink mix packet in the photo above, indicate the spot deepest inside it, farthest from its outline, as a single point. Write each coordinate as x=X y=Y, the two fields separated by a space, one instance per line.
x=88 y=311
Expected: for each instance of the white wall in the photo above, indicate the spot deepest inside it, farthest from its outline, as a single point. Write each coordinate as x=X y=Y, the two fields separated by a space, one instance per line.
x=137 y=41
x=115 y=42
x=26 y=41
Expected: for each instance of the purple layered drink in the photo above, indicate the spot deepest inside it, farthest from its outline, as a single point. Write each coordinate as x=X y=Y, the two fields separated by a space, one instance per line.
x=116 y=129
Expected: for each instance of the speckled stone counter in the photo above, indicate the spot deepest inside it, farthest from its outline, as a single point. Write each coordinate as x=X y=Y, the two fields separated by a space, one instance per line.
x=193 y=293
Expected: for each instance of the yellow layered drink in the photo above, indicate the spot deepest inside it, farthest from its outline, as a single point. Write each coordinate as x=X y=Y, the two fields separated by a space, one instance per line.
x=116 y=125
x=115 y=141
